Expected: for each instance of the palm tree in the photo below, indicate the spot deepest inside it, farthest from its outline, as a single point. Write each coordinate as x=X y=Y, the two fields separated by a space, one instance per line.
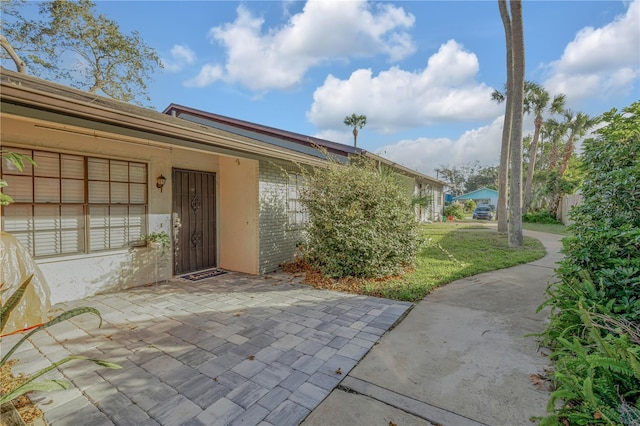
x=503 y=174
x=538 y=100
x=355 y=121
x=512 y=131
x=578 y=125
x=499 y=97
x=516 y=238
x=555 y=130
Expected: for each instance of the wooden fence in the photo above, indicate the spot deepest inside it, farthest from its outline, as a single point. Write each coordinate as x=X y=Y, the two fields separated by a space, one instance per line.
x=568 y=201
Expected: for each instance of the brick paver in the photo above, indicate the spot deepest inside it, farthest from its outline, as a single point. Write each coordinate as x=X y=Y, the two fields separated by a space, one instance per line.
x=232 y=349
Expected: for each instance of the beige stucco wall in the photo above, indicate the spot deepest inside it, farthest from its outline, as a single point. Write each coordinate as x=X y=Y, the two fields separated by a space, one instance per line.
x=238 y=215
x=78 y=276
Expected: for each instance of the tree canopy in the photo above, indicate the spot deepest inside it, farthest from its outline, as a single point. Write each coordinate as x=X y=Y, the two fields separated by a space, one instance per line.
x=468 y=177
x=72 y=44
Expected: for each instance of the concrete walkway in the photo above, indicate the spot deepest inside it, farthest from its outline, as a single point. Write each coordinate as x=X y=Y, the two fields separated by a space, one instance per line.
x=230 y=350
x=460 y=357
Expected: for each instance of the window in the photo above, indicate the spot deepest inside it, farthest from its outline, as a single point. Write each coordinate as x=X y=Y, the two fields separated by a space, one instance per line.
x=71 y=204
x=297 y=214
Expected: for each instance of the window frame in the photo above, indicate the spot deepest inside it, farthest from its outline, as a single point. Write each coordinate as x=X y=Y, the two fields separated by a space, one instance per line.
x=298 y=212
x=59 y=230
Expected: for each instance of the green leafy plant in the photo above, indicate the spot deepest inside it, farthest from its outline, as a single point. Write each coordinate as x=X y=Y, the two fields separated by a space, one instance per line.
x=597 y=371
x=595 y=305
x=162 y=239
x=455 y=209
x=540 y=216
x=361 y=222
x=469 y=206
x=45 y=385
x=422 y=201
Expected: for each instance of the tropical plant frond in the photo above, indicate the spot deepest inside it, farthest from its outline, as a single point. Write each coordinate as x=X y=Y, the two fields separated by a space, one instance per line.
x=62 y=317
x=13 y=302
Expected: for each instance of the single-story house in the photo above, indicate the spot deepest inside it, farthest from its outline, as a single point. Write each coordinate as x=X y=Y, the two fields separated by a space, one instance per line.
x=109 y=173
x=419 y=186
x=482 y=196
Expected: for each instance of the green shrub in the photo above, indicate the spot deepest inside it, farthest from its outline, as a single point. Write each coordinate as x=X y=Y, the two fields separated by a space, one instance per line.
x=455 y=209
x=597 y=372
x=595 y=306
x=361 y=221
x=540 y=216
x=605 y=241
x=469 y=206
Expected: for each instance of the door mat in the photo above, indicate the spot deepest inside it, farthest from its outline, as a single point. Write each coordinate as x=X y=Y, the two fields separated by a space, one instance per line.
x=202 y=275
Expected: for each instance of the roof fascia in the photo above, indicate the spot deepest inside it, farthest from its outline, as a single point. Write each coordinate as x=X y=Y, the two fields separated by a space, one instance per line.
x=31 y=103
x=477 y=190
x=332 y=147
x=402 y=169
x=61 y=123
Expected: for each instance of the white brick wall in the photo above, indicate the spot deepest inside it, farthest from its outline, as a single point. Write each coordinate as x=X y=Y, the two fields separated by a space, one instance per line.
x=277 y=239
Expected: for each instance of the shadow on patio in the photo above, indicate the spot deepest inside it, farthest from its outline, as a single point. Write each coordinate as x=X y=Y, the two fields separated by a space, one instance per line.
x=230 y=349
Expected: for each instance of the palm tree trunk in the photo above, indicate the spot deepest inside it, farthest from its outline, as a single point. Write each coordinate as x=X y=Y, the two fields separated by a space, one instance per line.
x=533 y=151
x=501 y=209
x=568 y=152
x=557 y=198
x=516 y=239
x=555 y=202
x=553 y=155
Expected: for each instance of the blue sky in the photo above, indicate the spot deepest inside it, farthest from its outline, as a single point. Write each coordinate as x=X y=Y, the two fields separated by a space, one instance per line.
x=422 y=71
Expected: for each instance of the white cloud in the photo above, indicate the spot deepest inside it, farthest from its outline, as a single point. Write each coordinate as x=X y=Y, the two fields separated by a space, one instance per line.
x=181 y=55
x=602 y=60
x=445 y=91
x=344 y=137
x=208 y=74
x=426 y=154
x=278 y=58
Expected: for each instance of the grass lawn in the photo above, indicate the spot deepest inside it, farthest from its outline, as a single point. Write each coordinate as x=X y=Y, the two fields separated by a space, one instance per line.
x=455 y=250
x=552 y=228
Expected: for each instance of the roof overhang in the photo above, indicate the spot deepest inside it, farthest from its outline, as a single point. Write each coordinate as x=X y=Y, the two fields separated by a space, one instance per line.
x=404 y=170
x=262 y=131
x=68 y=108
x=337 y=150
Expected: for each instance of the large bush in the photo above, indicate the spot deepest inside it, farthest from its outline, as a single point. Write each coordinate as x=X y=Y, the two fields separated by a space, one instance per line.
x=540 y=216
x=469 y=206
x=455 y=209
x=361 y=222
x=605 y=245
x=595 y=320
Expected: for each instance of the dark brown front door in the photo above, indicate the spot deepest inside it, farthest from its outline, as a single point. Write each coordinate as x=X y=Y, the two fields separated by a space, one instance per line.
x=194 y=220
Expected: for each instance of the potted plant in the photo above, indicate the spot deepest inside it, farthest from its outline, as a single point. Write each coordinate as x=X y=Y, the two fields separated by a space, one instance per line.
x=158 y=240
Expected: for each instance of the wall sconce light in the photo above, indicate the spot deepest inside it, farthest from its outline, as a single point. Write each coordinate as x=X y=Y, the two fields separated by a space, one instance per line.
x=160 y=181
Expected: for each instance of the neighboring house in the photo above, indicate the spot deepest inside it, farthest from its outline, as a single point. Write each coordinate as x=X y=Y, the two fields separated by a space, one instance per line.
x=482 y=196
x=95 y=193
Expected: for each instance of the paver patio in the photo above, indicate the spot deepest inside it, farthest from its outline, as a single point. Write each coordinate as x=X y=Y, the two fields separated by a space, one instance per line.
x=232 y=349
